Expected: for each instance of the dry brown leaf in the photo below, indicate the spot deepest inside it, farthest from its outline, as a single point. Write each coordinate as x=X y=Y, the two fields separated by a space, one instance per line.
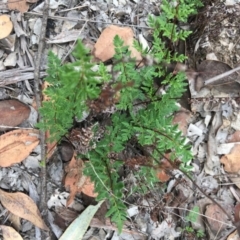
x=231 y=161
x=6 y=26
x=66 y=213
x=13 y=112
x=20 y=5
x=10 y=233
x=75 y=180
x=23 y=206
x=162 y=175
x=88 y=188
x=104 y=48
x=16 y=145
x=214 y=212
x=162 y=171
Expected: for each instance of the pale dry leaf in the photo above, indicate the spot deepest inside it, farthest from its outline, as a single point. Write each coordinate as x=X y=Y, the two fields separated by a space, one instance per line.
x=20 y=5
x=231 y=161
x=104 y=48
x=13 y=112
x=23 y=206
x=10 y=60
x=233 y=236
x=16 y=145
x=80 y=225
x=10 y=233
x=6 y=26
x=15 y=221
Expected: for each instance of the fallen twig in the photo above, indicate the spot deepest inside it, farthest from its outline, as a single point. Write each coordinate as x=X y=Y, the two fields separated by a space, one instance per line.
x=220 y=76
x=37 y=90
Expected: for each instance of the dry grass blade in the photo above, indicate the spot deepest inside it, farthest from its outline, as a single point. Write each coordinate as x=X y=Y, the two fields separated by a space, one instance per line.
x=22 y=206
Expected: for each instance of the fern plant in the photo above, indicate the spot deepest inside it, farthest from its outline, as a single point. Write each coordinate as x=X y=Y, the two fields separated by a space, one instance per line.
x=70 y=86
x=141 y=112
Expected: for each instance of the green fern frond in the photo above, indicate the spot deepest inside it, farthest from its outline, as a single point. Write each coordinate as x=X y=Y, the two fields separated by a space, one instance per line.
x=142 y=113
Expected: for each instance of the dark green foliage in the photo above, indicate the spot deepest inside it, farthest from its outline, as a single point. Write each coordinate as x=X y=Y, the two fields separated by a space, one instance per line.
x=71 y=85
x=141 y=114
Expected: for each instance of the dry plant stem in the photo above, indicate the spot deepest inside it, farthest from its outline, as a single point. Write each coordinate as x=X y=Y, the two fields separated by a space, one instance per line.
x=220 y=76
x=43 y=196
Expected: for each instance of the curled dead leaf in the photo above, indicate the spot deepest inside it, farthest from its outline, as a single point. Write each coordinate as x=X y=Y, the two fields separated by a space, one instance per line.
x=10 y=233
x=6 y=26
x=75 y=181
x=23 y=206
x=16 y=145
x=13 y=112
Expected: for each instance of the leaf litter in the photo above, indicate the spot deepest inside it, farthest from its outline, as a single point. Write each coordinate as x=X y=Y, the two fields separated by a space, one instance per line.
x=213 y=118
